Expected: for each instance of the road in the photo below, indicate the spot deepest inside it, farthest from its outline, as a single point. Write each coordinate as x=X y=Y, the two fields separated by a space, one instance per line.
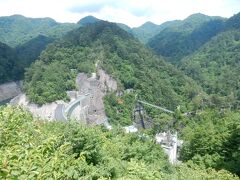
x=62 y=113
x=71 y=106
x=59 y=113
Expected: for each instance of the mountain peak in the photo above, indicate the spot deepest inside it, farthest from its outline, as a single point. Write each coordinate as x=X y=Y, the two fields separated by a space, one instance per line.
x=149 y=23
x=201 y=17
x=197 y=17
x=17 y=16
x=88 y=34
x=88 y=20
x=233 y=22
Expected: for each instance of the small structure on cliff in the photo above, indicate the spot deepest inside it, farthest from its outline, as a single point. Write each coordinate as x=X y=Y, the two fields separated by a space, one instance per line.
x=130 y=129
x=170 y=143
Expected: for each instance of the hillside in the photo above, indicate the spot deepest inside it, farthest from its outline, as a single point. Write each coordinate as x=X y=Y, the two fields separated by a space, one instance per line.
x=216 y=67
x=148 y=30
x=29 y=52
x=34 y=149
x=233 y=22
x=186 y=37
x=16 y=29
x=10 y=69
x=120 y=54
x=112 y=69
x=142 y=33
x=13 y=61
x=88 y=20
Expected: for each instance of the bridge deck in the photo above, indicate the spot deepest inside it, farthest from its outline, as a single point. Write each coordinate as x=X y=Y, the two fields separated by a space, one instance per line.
x=158 y=107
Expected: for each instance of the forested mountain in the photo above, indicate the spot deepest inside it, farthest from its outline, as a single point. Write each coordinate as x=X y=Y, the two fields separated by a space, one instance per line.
x=91 y=19
x=143 y=32
x=88 y=20
x=216 y=66
x=28 y=37
x=148 y=30
x=10 y=68
x=125 y=27
x=233 y=22
x=13 y=61
x=186 y=37
x=120 y=54
x=29 y=52
x=16 y=30
x=206 y=86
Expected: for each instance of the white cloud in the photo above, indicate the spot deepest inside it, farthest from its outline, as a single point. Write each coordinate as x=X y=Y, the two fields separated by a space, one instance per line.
x=130 y=12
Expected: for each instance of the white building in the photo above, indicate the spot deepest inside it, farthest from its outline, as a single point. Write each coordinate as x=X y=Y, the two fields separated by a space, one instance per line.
x=169 y=143
x=130 y=129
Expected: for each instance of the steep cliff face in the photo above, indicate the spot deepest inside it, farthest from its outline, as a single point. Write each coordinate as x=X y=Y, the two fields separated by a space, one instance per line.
x=10 y=90
x=106 y=81
x=46 y=111
x=97 y=86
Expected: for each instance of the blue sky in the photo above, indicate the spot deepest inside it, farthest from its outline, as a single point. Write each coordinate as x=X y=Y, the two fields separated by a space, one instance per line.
x=130 y=12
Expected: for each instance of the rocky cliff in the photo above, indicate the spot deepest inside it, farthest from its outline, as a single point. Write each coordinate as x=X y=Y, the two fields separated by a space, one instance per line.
x=10 y=90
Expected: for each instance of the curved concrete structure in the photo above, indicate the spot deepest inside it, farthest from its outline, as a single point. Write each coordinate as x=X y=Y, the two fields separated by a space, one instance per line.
x=69 y=109
x=59 y=113
x=62 y=113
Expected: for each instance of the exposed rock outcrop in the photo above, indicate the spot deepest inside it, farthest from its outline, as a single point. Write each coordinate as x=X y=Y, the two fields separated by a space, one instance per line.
x=10 y=90
x=46 y=111
x=107 y=83
x=90 y=111
x=97 y=85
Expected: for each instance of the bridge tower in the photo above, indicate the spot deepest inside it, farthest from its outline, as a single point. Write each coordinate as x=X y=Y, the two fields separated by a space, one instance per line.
x=138 y=115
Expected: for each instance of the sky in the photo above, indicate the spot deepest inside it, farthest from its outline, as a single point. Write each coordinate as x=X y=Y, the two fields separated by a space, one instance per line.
x=130 y=12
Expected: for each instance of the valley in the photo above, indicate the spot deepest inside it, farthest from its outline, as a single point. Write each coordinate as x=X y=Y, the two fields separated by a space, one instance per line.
x=97 y=99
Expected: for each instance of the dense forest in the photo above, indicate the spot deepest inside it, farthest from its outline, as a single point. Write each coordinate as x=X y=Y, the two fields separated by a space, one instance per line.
x=212 y=139
x=16 y=30
x=149 y=29
x=13 y=61
x=30 y=51
x=35 y=149
x=10 y=69
x=27 y=38
x=120 y=54
x=216 y=67
x=185 y=37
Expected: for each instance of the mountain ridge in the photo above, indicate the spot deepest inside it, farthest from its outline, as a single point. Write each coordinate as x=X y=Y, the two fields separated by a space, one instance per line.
x=121 y=55
x=187 y=36
x=18 y=29
x=88 y=20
